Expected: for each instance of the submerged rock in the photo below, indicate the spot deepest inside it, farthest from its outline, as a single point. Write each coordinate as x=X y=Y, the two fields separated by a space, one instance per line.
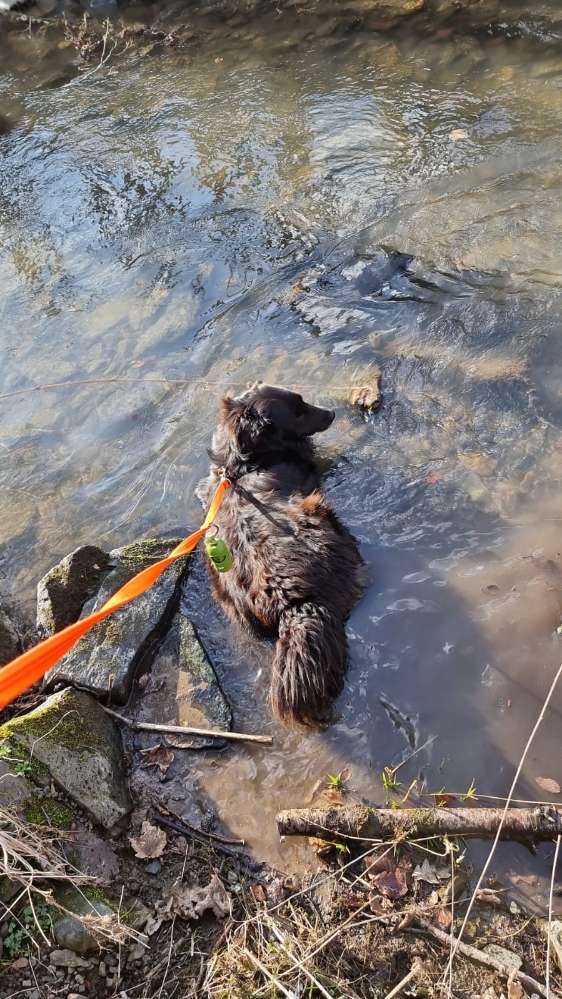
x=64 y=589
x=369 y=396
x=182 y=678
x=79 y=743
x=106 y=658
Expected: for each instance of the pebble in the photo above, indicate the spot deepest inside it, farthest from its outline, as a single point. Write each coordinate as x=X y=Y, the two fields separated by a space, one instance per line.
x=154 y=867
x=27 y=983
x=102 y=969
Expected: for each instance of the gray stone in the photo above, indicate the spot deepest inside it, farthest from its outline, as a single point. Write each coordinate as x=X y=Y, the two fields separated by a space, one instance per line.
x=66 y=958
x=9 y=639
x=106 y=658
x=63 y=591
x=92 y=855
x=182 y=675
x=507 y=957
x=154 y=867
x=73 y=936
x=15 y=789
x=72 y=735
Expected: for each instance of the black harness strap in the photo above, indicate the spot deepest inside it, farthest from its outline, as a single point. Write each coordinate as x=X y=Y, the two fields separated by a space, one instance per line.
x=287 y=529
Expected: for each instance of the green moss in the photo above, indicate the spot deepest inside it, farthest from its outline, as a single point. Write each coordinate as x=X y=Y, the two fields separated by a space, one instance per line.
x=24 y=764
x=96 y=894
x=48 y=811
x=67 y=726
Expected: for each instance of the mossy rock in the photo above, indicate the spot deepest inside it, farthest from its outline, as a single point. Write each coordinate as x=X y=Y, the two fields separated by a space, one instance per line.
x=106 y=658
x=184 y=680
x=79 y=743
x=64 y=589
x=48 y=811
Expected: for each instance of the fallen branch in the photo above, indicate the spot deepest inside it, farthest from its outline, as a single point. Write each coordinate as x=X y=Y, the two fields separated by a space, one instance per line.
x=190 y=833
x=360 y=822
x=181 y=730
x=480 y=956
x=414 y=972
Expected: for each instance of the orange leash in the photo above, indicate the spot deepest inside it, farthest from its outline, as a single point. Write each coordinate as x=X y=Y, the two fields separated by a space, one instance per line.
x=24 y=671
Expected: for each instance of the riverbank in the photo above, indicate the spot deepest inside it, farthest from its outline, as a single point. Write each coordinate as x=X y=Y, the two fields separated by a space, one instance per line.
x=100 y=33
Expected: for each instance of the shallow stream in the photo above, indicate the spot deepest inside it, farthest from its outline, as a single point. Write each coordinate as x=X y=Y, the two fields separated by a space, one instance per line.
x=299 y=200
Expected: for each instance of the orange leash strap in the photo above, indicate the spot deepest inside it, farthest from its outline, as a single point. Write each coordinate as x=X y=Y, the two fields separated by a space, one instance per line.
x=24 y=671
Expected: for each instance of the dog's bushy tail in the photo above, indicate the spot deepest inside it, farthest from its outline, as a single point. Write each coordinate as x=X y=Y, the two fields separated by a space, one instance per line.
x=309 y=665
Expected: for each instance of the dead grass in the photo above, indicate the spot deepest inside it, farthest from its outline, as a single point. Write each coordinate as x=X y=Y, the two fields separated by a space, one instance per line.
x=32 y=858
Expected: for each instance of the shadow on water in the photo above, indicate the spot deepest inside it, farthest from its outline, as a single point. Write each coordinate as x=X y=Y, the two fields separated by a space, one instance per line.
x=305 y=209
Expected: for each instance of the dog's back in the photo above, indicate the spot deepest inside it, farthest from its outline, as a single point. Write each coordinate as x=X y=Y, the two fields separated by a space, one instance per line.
x=297 y=571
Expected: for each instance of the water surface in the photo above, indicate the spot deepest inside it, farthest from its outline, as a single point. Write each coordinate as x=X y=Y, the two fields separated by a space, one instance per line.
x=297 y=201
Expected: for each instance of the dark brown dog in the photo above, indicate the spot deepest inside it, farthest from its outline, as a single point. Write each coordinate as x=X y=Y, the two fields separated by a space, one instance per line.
x=297 y=571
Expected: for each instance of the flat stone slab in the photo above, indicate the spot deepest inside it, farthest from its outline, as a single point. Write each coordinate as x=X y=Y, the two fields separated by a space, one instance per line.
x=105 y=660
x=80 y=744
x=183 y=688
x=64 y=589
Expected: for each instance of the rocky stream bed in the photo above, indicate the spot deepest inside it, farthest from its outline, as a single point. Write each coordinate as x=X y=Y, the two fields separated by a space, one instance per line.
x=110 y=888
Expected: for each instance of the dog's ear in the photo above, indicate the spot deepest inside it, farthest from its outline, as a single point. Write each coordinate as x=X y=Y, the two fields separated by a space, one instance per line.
x=230 y=410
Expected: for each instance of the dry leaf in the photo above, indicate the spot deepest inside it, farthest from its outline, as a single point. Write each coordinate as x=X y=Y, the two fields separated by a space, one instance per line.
x=190 y=903
x=458 y=133
x=259 y=893
x=151 y=843
x=378 y=864
x=548 y=784
x=391 y=884
x=153 y=924
x=158 y=756
x=426 y=872
x=443 y=918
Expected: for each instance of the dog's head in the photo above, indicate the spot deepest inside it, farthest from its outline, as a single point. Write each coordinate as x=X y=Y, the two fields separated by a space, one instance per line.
x=267 y=418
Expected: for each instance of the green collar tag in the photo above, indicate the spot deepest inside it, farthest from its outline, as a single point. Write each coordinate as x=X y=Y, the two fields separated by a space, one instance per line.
x=219 y=553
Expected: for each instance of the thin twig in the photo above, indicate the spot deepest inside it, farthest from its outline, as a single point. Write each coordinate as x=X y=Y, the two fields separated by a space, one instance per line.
x=405 y=981
x=450 y=984
x=481 y=957
x=278 y=985
x=212 y=733
x=505 y=810
x=215 y=837
x=279 y=936
x=551 y=893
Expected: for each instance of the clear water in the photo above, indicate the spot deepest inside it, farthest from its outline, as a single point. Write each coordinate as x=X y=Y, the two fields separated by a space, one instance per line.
x=239 y=211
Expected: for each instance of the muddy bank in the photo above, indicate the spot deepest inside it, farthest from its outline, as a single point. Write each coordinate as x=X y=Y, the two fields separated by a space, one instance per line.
x=100 y=32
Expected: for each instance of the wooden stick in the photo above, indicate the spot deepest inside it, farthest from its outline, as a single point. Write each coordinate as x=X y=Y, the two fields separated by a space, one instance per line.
x=369 y=824
x=405 y=981
x=212 y=733
x=275 y=981
x=482 y=958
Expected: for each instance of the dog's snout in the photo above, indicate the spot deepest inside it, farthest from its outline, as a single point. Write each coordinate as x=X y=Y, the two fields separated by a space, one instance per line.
x=328 y=417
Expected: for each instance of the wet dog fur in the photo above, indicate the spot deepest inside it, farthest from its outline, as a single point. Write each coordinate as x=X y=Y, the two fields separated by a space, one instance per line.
x=294 y=580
